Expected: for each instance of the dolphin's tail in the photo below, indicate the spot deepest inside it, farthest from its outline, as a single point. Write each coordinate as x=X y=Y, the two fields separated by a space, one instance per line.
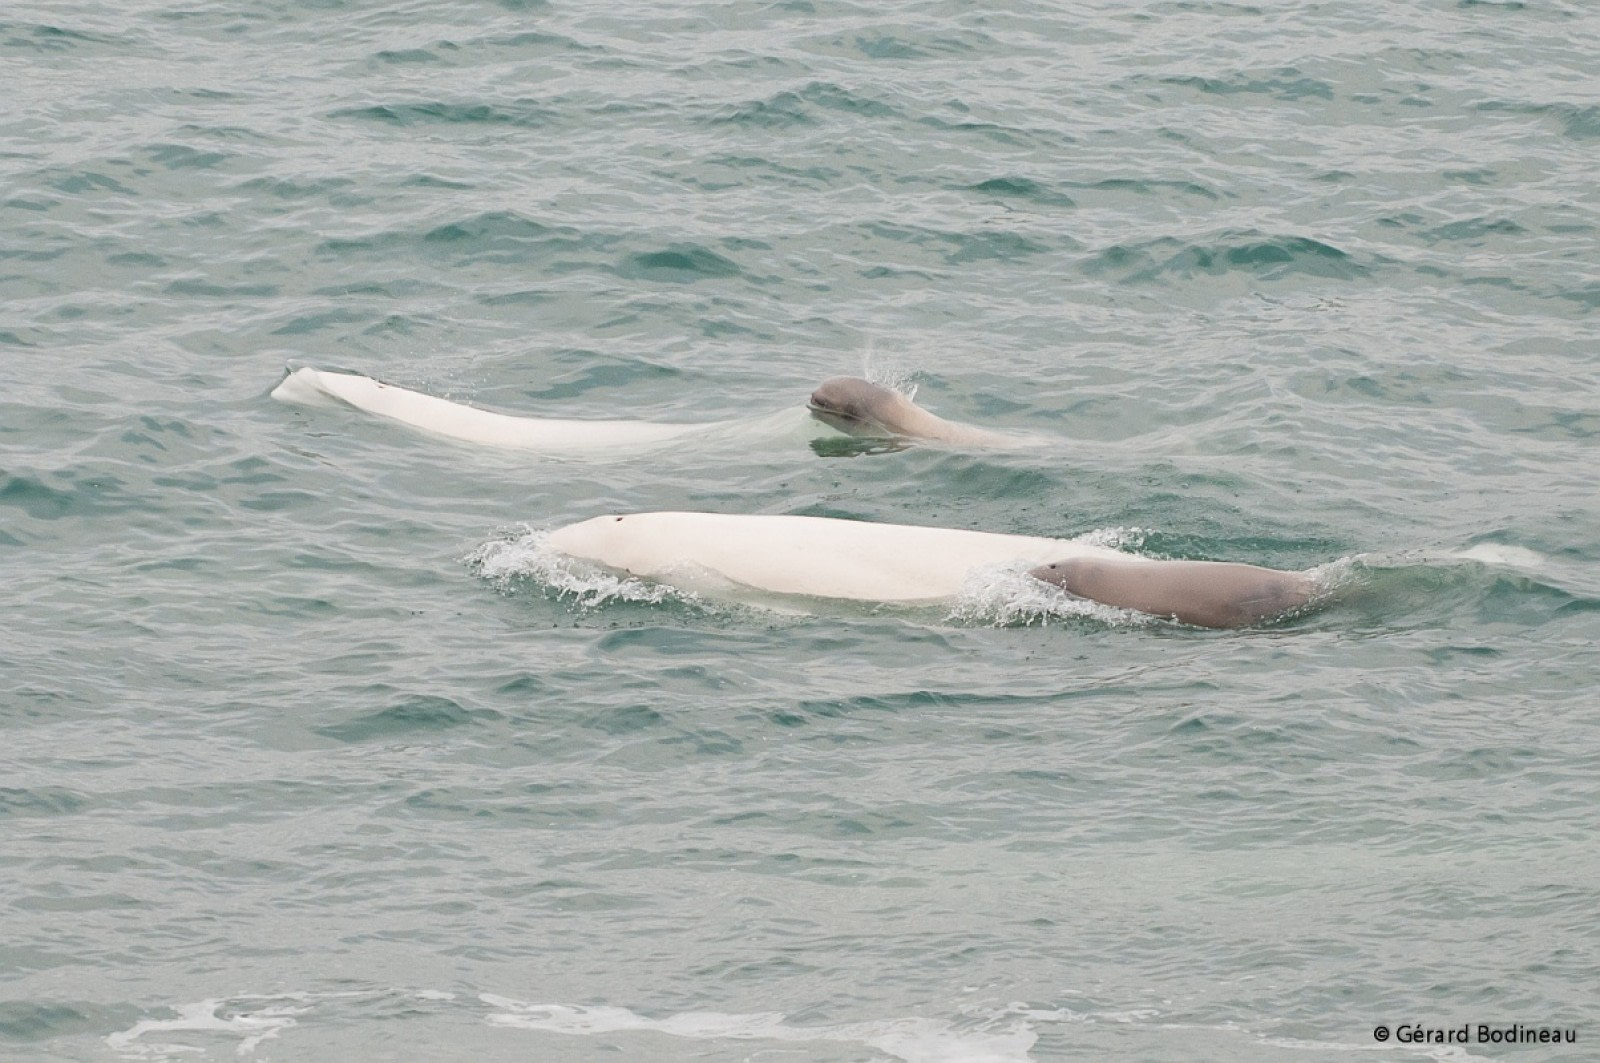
x=454 y=420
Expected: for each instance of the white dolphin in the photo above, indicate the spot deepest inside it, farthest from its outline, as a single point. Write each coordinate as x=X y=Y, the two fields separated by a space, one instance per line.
x=842 y=406
x=557 y=437
x=822 y=557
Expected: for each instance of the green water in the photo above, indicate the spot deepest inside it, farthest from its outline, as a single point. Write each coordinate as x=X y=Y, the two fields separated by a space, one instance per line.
x=288 y=775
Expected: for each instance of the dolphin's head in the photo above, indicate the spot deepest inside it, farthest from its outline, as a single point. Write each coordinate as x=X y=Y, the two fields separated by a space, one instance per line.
x=1204 y=593
x=857 y=407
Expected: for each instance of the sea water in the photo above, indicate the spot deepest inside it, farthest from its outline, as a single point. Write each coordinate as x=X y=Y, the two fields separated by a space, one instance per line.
x=308 y=753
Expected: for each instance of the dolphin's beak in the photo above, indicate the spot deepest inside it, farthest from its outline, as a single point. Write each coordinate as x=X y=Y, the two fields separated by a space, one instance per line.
x=822 y=410
x=836 y=418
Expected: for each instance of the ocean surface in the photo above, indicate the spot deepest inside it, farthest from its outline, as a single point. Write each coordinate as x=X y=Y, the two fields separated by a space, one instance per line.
x=308 y=753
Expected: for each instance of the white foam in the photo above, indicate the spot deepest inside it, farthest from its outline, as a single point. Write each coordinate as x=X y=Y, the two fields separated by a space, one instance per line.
x=1009 y=597
x=202 y=1017
x=914 y=1040
x=888 y=370
x=1502 y=554
x=1129 y=539
x=984 y=1034
x=525 y=554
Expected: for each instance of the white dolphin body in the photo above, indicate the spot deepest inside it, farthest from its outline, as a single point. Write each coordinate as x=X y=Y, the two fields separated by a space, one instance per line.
x=559 y=437
x=819 y=557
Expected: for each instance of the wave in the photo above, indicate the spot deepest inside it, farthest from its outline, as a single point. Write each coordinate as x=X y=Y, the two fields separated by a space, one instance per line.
x=1263 y=255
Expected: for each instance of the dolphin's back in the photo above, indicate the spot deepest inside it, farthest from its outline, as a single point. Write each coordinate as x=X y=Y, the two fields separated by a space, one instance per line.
x=819 y=557
x=469 y=424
